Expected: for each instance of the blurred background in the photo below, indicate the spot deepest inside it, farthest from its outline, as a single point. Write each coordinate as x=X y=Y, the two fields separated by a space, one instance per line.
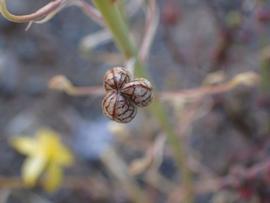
x=199 y=44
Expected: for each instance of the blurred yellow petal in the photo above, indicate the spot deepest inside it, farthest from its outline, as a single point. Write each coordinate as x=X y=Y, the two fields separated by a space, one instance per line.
x=47 y=136
x=46 y=155
x=24 y=145
x=64 y=156
x=54 y=148
x=32 y=169
x=53 y=178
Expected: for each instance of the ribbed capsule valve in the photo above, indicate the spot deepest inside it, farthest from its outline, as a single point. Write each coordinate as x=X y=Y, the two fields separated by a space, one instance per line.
x=124 y=95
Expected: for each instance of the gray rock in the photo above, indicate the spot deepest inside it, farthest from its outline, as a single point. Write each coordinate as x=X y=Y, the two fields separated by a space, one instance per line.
x=92 y=138
x=8 y=73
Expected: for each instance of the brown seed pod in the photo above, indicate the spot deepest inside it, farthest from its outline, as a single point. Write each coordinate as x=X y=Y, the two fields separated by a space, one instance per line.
x=138 y=91
x=118 y=108
x=115 y=78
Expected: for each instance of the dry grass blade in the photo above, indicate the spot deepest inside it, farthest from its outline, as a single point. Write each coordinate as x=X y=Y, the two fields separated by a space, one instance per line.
x=90 y=11
x=35 y=16
x=152 y=20
x=61 y=83
x=93 y=40
x=247 y=79
x=151 y=160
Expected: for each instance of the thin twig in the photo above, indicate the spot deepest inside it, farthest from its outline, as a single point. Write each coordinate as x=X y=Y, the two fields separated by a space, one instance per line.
x=61 y=83
x=119 y=170
x=152 y=20
x=35 y=16
x=90 y=11
x=247 y=79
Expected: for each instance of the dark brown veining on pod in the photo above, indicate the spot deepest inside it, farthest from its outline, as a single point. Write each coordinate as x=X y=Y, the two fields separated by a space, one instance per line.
x=138 y=91
x=118 y=108
x=115 y=78
x=124 y=96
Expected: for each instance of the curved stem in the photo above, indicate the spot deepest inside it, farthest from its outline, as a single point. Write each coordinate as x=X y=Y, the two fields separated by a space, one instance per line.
x=37 y=15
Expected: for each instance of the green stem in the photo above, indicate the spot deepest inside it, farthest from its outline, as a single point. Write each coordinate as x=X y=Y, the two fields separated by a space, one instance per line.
x=113 y=19
x=177 y=145
x=122 y=8
x=265 y=72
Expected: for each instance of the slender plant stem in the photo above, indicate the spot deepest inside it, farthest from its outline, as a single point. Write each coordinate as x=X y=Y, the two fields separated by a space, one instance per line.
x=116 y=24
x=114 y=21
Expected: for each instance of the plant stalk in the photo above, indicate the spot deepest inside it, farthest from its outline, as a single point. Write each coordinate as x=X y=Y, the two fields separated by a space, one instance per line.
x=116 y=24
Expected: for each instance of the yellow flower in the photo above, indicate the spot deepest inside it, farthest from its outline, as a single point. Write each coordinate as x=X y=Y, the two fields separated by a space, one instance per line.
x=46 y=156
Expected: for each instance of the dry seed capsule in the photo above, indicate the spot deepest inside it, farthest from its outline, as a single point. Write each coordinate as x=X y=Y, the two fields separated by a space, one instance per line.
x=118 y=108
x=138 y=91
x=115 y=78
